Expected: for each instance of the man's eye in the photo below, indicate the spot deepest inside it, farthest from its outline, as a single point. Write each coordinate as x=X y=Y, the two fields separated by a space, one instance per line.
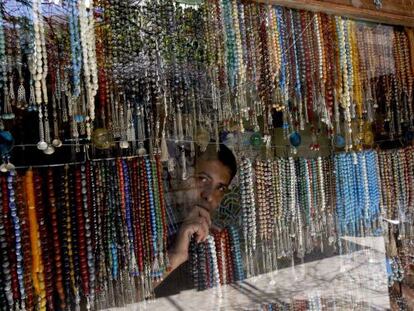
x=223 y=189
x=202 y=179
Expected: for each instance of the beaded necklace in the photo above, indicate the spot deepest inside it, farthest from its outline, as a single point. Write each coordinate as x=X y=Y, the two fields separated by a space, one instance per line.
x=128 y=215
x=283 y=48
x=6 y=264
x=64 y=207
x=298 y=86
x=249 y=210
x=75 y=43
x=261 y=200
x=87 y=37
x=6 y=107
x=341 y=28
x=137 y=215
x=37 y=263
x=25 y=243
x=44 y=240
x=236 y=252
x=17 y=231
x=56 y=240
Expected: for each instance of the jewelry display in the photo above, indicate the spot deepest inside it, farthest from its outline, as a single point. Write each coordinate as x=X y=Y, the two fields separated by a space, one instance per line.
x=133 y=81
x=133 y=87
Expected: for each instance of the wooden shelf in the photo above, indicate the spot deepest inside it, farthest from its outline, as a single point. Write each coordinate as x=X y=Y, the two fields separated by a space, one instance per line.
x=394 y=12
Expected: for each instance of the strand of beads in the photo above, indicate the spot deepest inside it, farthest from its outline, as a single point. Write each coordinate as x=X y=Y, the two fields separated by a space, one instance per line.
x=5 y=109
x=236 y=253
x=56 y=240
x=37 y=265
x=39 y=65
x=249 y=210
x=6 y=275
x=90 y=72
x=17 y=229
x=44 y=241
x=25 y=242
x=345 y=92
x=75 y=43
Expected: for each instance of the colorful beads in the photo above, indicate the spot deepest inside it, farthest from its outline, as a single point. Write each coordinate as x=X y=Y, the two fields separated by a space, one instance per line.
x=79 y=229
x=218 y=260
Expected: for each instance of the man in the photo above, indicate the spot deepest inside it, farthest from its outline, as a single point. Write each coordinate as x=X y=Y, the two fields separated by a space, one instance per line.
x=200 y=198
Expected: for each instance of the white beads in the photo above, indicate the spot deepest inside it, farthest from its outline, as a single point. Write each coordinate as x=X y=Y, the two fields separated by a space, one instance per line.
x=321 y=184
x=90 y=71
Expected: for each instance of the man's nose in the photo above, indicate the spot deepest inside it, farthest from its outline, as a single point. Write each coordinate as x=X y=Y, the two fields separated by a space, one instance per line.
x=207 y=194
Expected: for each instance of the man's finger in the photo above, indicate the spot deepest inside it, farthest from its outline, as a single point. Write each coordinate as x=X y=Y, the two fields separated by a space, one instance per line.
x=204 y=213
x=199 y=211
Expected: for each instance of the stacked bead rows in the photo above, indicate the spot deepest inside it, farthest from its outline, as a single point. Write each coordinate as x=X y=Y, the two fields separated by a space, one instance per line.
x=396 y=169
x=241 y=59
x=305 y=58
x=218 y=260
x=298 y=204
x=294 y=198
x=82 y=234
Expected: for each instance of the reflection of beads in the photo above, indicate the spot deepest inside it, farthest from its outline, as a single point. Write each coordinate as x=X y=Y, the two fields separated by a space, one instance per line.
x=236 y=252
x=248 y=203
x=45 y=277
x=194 y=262
x=81 y=235
x=25 y=241
x=73 y=249
x=128 y=213
x=138 y=245
x=88 y=235
x=17 y=232
x=6 y=273
x=64 y=220
x=56 y=240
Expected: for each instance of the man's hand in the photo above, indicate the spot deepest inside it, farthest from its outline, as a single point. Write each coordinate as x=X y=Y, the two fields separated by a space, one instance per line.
x=197 y=223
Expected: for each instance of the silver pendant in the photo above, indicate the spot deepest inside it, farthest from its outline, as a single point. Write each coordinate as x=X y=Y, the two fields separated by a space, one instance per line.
x=123 y=144
x=378 y=4
x=42 y=145
x=57 y=143
x=49 y=150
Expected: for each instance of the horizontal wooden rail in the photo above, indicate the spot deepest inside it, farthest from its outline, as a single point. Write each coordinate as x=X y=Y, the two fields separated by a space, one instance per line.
x=357 y=10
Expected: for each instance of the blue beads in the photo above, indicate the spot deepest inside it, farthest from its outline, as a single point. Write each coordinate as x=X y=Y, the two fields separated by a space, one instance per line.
x=75 y=45
x=237 y=257
x=339 y=141
x=281 y=25
x=17 y=232
x=128 y=210
x=153 y=216
x=295 y=139
x=357 y=191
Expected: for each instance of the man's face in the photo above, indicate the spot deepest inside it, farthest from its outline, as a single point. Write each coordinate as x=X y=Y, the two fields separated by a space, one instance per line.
x=207 y=187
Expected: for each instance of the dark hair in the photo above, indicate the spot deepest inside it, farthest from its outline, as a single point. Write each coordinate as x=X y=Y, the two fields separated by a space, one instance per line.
x=224 y=155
